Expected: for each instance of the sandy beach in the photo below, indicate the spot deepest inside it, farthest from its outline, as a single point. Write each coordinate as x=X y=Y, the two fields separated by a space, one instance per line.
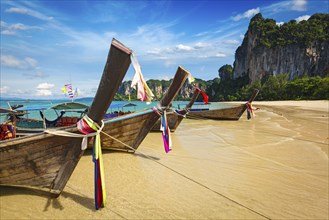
x=274 y=166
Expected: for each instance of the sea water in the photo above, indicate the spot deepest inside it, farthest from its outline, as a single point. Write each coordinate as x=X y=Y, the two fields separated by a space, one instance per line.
x=50 y=114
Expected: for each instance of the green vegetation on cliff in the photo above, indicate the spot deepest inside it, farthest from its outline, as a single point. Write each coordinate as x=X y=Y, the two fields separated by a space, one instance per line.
x=316 y=28
x=273 y=88
x=265 y=34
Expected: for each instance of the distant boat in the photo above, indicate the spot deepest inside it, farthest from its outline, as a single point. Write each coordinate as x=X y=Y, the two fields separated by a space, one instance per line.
x=231 y=113
x=175 y=116
x=46 y=161
x=127 y=131
x=25 y=125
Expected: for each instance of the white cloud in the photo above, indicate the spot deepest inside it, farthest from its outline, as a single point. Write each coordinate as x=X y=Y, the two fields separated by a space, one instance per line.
x=7 y=29
x=289 y=5
x=13 y=62
x=231 y=42
x=43 y=86
x=279 y=23
x=31 y=62
x=7 y=32
x=302 y=18
x=37 y=74
x=201 y=45
x=298 y=5
x=247 y=14
x=17 y=10
x=43 y=89
x=220 y=55
x=209 y=56
x=44 y=92
x=29 y=12
x=19 y=26
x=181 y=47
x=10 y=61
x=4 y=89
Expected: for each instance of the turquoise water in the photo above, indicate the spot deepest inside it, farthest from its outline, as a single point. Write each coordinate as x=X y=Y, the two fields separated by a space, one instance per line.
x=51 y=114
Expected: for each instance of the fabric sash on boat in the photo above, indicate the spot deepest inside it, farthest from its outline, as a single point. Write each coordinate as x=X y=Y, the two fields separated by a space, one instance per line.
x=164 y=127
x=144 y=93
x=204 y=95
x=87 y=126
x=250 y=112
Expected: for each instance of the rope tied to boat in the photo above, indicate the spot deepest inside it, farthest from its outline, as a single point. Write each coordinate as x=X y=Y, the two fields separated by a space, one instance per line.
x=179 y=112
x=89 y=128
x=157 y=110
x=86 y=126
x=164 y=127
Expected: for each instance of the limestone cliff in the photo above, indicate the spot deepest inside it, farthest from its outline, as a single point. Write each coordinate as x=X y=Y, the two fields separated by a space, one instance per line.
x=160 y=87
x=293 y=48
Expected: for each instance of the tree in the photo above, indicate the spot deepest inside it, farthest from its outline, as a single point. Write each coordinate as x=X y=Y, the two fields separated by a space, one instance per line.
x=225 y=72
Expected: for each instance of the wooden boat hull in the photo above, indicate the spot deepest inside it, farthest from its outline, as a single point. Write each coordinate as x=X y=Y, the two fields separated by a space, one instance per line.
x=173 y=120
x=128 y=129
x=131 y=129
x=42 y=160
x=46 y=161
x=232 y=113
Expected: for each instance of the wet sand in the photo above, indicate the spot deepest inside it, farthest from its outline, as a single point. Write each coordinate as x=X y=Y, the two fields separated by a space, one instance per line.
x=274 y=166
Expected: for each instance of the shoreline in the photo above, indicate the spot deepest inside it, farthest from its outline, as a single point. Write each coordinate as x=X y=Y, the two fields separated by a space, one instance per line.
x=320 y=105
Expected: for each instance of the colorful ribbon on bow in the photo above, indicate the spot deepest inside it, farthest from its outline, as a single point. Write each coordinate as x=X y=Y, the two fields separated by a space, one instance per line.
x=87 y=126
x=144 y=93
x=164 y=127
x=250 y=112
x=204 y=95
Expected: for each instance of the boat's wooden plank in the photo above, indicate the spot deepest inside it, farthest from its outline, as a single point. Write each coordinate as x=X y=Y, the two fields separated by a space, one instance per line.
x=46 y=160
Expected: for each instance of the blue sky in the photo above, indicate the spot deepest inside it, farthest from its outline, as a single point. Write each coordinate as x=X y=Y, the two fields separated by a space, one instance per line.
x=46 y=44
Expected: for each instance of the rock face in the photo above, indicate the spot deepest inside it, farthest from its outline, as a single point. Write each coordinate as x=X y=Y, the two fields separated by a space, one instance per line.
x=257 y=59
x=160 y=87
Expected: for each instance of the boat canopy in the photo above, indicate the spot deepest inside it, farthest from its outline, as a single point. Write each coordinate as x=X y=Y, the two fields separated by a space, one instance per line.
x=122 y=105
x=60 y=106
x=6 y=111
x=69 y=105
x=33 y=108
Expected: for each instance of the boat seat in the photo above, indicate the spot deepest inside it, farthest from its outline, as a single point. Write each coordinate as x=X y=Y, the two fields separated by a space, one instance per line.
x=6 y=132
x=67 y=121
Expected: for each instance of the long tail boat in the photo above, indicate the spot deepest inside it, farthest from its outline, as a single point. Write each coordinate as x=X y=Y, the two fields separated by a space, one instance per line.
x=231 y=113
x=126 y=132
x=46 y=161
x=68 y=113
x=175 y=117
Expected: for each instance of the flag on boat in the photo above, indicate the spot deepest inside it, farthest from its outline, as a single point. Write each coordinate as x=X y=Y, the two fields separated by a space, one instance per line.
x=190 y=78
x=68 y=90
x=204 y=95
x=76 y=92
x=144 y=93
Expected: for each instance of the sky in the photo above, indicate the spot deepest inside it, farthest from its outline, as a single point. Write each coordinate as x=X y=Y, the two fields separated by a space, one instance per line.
x=47 y=43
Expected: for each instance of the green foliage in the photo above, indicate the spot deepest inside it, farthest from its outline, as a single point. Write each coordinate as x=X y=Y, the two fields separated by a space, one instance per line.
x=308 y=88
x=225 y=72
x=303 y=33
x=272 y=88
